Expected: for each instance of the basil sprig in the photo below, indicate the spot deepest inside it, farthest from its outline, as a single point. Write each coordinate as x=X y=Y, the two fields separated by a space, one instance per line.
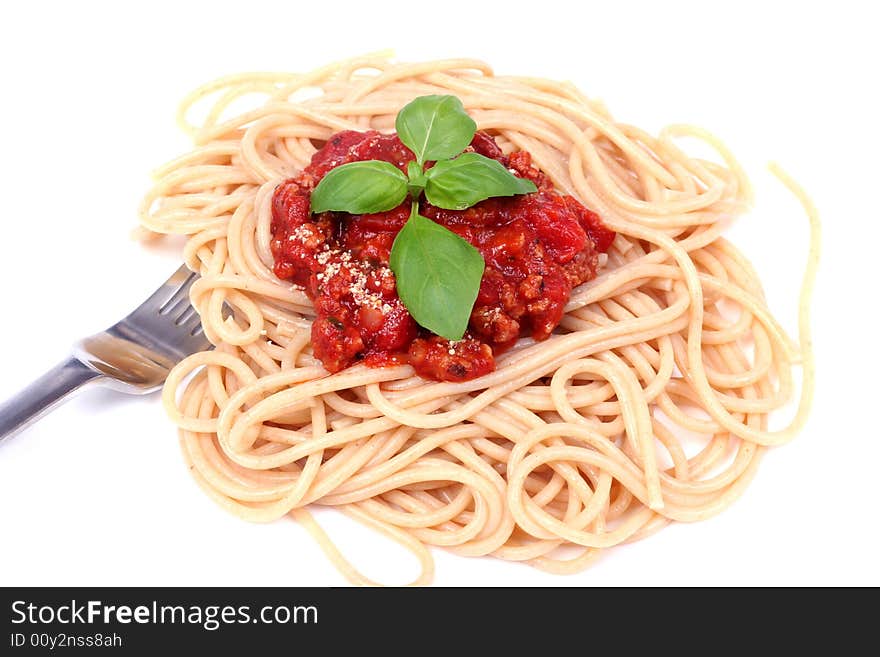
x=438 y=273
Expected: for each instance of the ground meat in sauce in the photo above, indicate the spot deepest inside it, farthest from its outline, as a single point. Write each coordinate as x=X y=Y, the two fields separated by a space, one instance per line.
x=537 y=247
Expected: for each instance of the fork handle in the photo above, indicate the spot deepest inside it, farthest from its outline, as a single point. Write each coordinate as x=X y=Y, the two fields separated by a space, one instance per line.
x=44 y=394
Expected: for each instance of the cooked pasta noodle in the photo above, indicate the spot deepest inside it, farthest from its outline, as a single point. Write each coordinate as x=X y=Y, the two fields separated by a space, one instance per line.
x=648 y=405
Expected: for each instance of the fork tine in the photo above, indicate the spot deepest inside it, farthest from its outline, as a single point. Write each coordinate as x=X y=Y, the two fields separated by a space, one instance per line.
x=186 y=315
x=173 y=291
x=166 y=321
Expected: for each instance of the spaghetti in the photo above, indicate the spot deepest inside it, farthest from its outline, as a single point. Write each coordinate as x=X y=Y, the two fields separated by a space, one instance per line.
x=649 y=404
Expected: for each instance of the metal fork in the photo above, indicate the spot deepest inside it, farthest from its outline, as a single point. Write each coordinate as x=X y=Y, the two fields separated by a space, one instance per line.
x=133 y=356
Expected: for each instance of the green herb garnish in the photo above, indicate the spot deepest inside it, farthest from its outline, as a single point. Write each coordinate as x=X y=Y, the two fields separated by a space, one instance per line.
x=438 y=273
x=470 y=178
x=435 y=127
x=360 y=187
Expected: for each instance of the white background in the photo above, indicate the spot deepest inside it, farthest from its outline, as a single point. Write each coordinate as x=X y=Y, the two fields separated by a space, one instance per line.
x=97 y=492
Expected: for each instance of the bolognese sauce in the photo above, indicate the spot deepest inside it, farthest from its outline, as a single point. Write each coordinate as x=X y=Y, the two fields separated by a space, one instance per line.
x=537 y=248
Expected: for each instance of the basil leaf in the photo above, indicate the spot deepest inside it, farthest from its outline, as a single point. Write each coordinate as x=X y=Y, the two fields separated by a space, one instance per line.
x=360 y=187
x=435 y=127
x=470 y=178
x=438 y=275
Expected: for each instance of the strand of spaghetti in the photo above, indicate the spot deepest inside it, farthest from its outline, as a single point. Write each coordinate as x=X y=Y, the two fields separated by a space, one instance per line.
x=342 y=564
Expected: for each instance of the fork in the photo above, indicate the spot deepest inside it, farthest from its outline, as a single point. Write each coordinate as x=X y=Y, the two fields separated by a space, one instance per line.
x=134 y=355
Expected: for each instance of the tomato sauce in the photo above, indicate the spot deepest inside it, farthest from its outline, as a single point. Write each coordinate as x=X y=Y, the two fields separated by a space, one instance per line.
x=537 y=247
